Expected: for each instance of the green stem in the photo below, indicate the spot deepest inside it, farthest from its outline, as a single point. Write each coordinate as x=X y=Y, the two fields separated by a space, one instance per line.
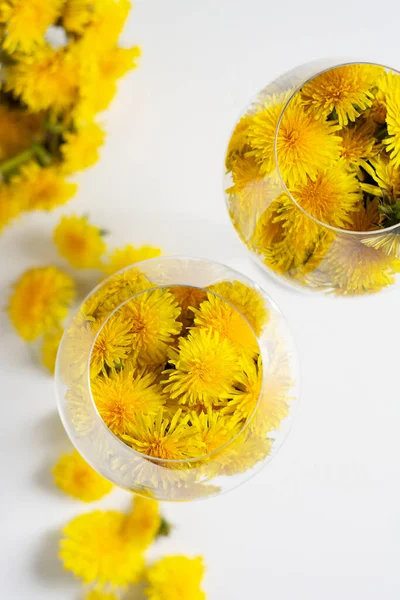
x=36 y=150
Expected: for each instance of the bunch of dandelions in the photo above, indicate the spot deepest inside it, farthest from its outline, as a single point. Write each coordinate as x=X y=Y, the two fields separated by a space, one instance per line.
x=43 y=296
x=338 y=155
x=50 y=94
x=107 y=550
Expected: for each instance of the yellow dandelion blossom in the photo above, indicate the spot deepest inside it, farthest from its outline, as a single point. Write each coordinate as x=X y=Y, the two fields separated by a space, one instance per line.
x=392 y=94
x=238 y=144
x=19 y=130
x=120 y=258
x=40 y=301
x=95 y=550
x=247 y=300
x=354 y=268
x=10 y=205
x=49 y=349
x=79 y=242
x=80 y=148
x=248 y=384
x=347 y=90
x=245 y=453
x=160 y=437
x=215 y=429
x=386 y=176
x=116 y=290
x=143 y=523
x=205 y=367
x=288 y=240
x=305 y=146
x=358 y=142
x=123 y=396
x=27 y=23
x=77 y=14
x=261 y=131
x=41 y=188
x=108 y=19
x=188 y=297
x=112 y=345
x=153 y=322
x=118 y=61
x=98 y=595
x=216 y=314
x=47 y=79
x=331 y=197
x=249 y=195
x=75 y=477
x=176 y=577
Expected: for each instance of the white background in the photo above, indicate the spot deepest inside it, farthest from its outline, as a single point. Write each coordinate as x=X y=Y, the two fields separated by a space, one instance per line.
x=322 y=520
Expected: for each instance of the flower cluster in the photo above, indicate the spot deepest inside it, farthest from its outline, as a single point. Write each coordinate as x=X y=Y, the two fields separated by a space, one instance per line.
x=176 y=373
x=307 y=165
x=106 y=550
x=60 y=61
x=42 y=296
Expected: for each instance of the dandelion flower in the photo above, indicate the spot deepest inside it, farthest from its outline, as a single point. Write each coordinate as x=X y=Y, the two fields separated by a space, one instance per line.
x=48 y=79
x=27 y=23
x=386 y=176
x=358 y=142
x=79 y=242
x=188 y=297
x=10 y=205
x=249 y=195
x=95 y=550
x=331 y=197
x=143 y=523
x=215 y=429
x=49 y=349
x=108 y=19
x=169 y=439
x=248 y=388
x=77 y=14
x=392 y=93
x=238 y=144
x=216 y=314
x=121 y=397
x=247 y=300
x=176 y=577
x=346 y=90
x=260 y=133
x=41 y=188
x=118 y=61
x=75 y=477
x=305 y=146
x=112 y=345
x=354 y=268
x=205 y=366
x=80 y=148
x=40 y=301
x=128 y=255
x=153 y=323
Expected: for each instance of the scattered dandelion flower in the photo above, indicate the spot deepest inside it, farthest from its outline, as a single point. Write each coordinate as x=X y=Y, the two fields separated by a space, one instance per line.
x=75 y=477
x=176 y=577
x=40 y=301
x=128 y=255
x=143 y=523
x=79 y=242
x=95 y=550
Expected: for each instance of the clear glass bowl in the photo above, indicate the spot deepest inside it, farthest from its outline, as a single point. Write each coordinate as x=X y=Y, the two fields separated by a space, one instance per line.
x=222 y=462
x=307 y=184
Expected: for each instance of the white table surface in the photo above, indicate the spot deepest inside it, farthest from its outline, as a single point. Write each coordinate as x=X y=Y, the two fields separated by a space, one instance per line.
x=322 y=520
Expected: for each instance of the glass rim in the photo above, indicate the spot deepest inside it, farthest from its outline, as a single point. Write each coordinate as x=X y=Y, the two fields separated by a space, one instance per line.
x=154 y=459
x=286 y=190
